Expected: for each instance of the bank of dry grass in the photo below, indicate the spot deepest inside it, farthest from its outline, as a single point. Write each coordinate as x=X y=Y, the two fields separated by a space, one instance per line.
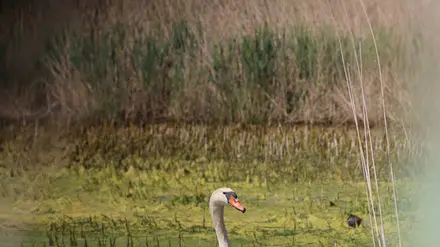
x=253 y=62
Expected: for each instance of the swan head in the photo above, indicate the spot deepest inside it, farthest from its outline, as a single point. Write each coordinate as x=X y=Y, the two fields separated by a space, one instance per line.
x=226 y=196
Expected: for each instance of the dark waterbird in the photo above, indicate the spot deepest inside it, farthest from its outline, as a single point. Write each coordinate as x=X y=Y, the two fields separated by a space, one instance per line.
x=354 y=221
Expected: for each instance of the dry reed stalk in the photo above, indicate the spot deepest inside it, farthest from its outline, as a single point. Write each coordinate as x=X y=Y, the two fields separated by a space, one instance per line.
x=367 y=158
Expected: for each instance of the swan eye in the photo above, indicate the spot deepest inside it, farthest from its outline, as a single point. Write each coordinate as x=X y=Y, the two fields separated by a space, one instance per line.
x=230 y=194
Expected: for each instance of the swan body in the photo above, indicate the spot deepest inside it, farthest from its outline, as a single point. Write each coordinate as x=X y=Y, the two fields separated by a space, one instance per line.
x=219 y=199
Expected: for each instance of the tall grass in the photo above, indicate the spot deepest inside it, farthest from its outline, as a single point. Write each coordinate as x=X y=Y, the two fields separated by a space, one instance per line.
x=185 y=62
x=293 y=153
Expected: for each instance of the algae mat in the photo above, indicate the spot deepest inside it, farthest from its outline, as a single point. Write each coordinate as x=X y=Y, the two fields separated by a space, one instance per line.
x=136 y=208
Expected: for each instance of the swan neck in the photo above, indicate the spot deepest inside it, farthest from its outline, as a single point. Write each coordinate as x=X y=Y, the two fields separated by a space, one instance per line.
x=217 y=213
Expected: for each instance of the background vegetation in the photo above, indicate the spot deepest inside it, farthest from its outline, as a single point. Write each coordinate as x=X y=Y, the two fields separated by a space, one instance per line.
x=222 y=62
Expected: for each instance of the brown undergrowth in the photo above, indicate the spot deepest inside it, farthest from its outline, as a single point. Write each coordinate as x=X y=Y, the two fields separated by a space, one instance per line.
x=217 y=62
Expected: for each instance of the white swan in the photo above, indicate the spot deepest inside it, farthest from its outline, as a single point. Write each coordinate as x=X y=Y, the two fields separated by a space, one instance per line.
x=219 y=199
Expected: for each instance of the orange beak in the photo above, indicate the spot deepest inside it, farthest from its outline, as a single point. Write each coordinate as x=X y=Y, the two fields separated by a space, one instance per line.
x=234 y=203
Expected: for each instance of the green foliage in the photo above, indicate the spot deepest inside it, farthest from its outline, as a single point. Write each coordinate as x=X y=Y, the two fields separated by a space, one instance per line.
x=101 y=207
x=306 y=53
x=259 y=54
x=290 y=153
x=151 y=184
x=183 y=39
x=250 y=73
